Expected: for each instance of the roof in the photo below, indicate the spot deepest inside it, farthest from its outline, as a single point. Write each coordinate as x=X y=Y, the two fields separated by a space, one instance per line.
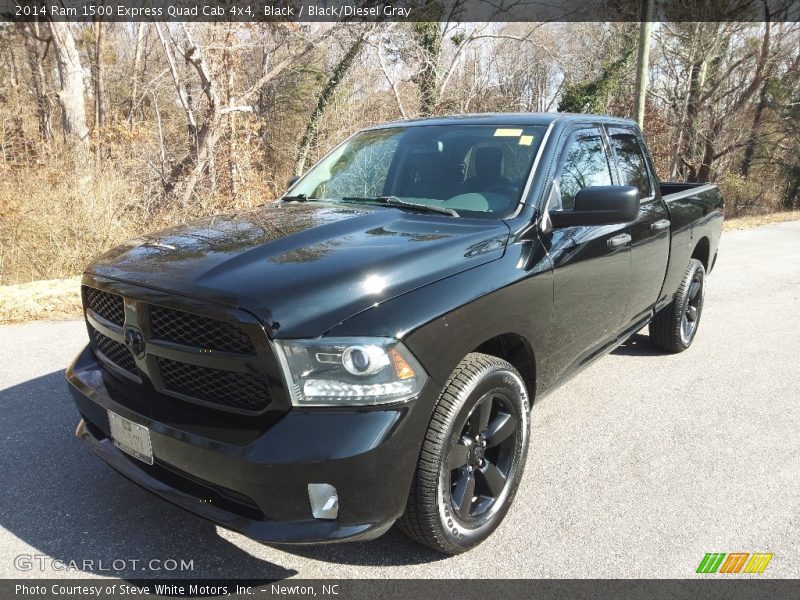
x=511 y=118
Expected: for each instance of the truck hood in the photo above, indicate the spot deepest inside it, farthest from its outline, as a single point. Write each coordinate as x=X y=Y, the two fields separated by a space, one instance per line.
x=304 y=268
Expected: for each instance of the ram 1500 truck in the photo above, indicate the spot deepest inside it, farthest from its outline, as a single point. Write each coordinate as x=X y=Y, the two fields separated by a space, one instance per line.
x=366 y=349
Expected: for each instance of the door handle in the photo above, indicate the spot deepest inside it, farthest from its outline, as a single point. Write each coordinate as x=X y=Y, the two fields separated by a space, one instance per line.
x=659 y=225
x=619 y=240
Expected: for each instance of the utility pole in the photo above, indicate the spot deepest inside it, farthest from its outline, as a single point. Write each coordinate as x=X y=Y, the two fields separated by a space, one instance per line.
x=643 y=59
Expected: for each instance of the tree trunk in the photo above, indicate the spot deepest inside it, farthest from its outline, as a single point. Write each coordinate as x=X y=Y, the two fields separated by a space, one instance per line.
x=643 y=60
x=12 y=59
x=325 y=96
x=233 y=155
x=704 y=172
x=99 y=76
x=43 y=109
x=752 y=142
x=137 y=65
x=792 y=190
x=71 y=94
x=708 y=86
x=428 y=36
x=697 y=74
x=186 y=174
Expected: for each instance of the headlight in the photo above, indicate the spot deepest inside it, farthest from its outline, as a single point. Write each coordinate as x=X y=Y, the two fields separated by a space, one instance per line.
x=349 y=371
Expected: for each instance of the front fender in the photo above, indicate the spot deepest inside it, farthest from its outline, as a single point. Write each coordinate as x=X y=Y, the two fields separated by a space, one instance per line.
x=444 y=321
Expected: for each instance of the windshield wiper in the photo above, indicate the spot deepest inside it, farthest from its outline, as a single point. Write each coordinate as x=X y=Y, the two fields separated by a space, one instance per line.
x=296 y=198
x=398 y=202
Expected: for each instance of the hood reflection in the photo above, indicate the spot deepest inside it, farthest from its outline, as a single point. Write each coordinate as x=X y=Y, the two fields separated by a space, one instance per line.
x=307 y=265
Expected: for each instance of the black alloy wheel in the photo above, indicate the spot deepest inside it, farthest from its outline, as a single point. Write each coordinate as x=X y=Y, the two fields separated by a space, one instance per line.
x=481 y=456
x=694 y=306
x=674 y=327
x=472 y=457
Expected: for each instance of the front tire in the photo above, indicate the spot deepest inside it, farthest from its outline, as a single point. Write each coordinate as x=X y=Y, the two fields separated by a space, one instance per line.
x=472 y=457
x=674 y=327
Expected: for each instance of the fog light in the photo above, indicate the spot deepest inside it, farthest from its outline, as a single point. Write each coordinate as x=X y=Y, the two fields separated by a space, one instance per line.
x=324 y=501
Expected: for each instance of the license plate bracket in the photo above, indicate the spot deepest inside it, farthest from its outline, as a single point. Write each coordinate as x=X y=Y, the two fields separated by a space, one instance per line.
x=130 y=437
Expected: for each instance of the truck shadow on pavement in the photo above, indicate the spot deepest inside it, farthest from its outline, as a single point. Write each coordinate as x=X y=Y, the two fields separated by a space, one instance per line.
x=637 y=345
x=71 y=507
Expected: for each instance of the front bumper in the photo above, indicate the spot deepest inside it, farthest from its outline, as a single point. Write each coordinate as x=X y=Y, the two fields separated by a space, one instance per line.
x=256 y=481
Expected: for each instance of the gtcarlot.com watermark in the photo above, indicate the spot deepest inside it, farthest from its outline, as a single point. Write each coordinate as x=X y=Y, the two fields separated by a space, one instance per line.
x=42 y=562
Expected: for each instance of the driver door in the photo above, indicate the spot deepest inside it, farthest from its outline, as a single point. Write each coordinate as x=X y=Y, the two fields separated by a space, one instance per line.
x=591 y=264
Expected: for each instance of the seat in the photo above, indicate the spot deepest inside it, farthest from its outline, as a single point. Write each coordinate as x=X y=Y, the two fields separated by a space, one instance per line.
x=498 y=191
x=488 y=176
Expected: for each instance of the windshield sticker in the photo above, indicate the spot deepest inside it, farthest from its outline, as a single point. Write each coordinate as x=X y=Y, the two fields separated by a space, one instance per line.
x=526 y=140
x=507 y=132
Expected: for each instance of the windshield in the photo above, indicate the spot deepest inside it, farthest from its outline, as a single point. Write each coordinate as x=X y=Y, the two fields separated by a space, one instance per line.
x=476 y=170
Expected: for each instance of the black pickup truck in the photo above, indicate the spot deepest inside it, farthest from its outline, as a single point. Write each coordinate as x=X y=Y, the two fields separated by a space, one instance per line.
x=367 y=348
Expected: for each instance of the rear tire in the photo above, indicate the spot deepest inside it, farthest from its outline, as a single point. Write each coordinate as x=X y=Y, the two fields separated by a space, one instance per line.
x=472 y=457
x=674 y=327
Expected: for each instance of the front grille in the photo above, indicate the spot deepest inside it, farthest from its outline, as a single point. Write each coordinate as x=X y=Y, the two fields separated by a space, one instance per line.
x=112 y=350
x=228 y=389
x=107 y=305
x=201 y=332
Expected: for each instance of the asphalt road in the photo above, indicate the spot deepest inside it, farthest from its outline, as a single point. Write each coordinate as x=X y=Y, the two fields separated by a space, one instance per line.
x=637 y=467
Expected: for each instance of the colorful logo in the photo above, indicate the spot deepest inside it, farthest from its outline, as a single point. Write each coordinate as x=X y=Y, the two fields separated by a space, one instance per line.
x=734 y=562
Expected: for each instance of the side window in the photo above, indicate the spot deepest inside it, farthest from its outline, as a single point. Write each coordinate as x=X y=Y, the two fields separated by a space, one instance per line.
x=583 y=164
x=630 y=161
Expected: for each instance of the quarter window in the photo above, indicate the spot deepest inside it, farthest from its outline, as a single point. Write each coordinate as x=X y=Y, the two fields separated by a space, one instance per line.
x=630 y=162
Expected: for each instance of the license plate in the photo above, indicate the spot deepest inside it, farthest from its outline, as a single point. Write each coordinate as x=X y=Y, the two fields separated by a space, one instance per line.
x=131 y=437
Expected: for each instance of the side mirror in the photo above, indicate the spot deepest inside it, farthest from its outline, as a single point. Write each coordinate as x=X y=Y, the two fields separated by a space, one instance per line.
x=292 y=181
x=600 y=205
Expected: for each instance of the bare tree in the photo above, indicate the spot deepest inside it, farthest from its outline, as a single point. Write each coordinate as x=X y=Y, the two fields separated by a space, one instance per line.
x=710 y=149
x=98 y=75
x=141 y=31
x=71 y=94
x=380 y=50
x=326 y=93
x=714 y=74
x=36 y=56
x=187 y=172
x=428 y=37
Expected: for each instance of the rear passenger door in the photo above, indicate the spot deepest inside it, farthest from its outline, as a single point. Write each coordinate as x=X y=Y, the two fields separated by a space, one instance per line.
x=650 y=232
x=591 y=264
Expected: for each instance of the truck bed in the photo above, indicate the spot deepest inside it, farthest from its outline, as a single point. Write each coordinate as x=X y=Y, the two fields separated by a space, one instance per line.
x=695 y=212
x=669 y=188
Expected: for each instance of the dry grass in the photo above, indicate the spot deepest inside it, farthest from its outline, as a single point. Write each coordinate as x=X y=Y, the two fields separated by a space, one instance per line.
x=54 y=221
x=52 y=299
x=751 y=221
x=57 y=216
